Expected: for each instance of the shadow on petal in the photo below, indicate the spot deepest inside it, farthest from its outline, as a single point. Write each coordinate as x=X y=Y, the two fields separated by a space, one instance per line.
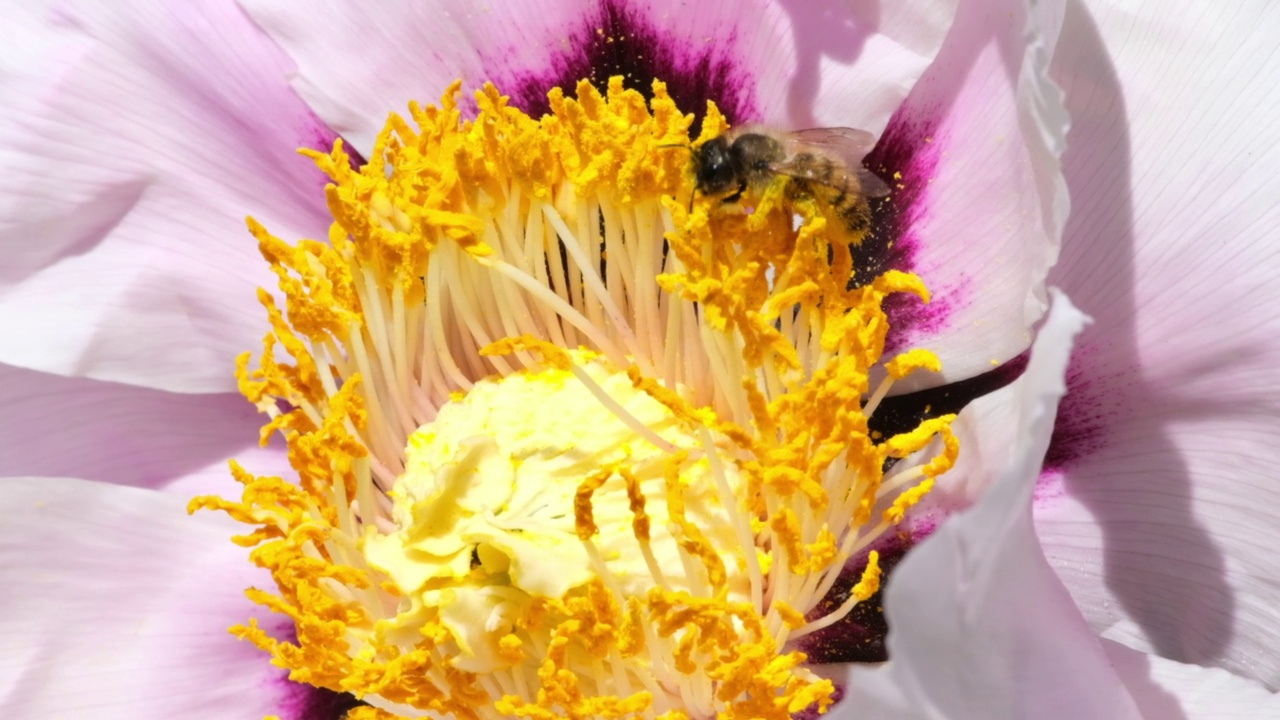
x=838 y=31
x=1185 y=610
x=125 y=435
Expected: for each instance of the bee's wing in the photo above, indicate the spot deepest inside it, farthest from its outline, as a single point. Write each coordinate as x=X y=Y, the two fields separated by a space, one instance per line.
x=872 y=185
x=847 y=145
x=869 y=185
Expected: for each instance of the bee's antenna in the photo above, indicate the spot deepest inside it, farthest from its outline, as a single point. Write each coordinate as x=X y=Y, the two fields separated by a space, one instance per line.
x=686 y=146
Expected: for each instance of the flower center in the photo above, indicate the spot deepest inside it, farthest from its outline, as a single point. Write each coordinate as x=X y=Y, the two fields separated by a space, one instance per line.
x=573 y=437
x=493 y=513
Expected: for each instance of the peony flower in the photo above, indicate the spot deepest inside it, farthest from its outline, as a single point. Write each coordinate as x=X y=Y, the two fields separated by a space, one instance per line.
x=133 y=130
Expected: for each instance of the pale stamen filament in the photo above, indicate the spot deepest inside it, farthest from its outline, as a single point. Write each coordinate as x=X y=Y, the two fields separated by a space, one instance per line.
x=673 y=368
x=741 y=524
x=435 y=319
x=591 y=277
x=898 y=479
x=465 y=304
x=511 y=304
x=643 y=291
x=379 y=435
x=504 y=316
x=535 y=252
x=388 y=378
x=616 y=257
x=881 y=391
x=827 y=620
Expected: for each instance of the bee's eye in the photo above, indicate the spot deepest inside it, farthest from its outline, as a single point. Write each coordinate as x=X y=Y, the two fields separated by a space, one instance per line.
x=716 y=171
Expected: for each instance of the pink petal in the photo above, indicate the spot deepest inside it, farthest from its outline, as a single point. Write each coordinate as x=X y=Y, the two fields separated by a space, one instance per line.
x=1167 y=689
x=980 y=627
x=980 y=203
x=1166 y=444
x=117 y=604
x=137 y=140
x=54 y=426
x=790 y=63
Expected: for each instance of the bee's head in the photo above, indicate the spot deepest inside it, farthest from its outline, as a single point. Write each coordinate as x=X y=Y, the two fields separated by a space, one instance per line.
x=716 y=171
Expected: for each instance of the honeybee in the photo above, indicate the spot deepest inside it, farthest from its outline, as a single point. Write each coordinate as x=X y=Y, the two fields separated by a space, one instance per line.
x=825 y=162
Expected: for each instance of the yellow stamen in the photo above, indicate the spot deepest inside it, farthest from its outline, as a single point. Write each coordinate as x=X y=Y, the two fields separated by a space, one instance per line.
x=567 y=445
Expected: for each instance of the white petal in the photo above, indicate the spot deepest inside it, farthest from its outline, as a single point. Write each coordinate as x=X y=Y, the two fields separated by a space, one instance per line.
x=980 y=627
x=30 y=58
x=1167 y=689
x=790 y=64
x=1168 y=433
x=117 y=604
x=980 y=200
x=55 y=426
x=131 y=159
x=988 y=442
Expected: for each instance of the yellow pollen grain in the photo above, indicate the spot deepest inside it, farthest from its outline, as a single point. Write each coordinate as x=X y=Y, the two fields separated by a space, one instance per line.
x=792 y=617
x=912 y=360
x=584 y=522
x=869 y=584
x=903 y=502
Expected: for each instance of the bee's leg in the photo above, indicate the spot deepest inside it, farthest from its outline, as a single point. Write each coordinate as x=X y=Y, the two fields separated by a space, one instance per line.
x=796 y=188
x=737 y=195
